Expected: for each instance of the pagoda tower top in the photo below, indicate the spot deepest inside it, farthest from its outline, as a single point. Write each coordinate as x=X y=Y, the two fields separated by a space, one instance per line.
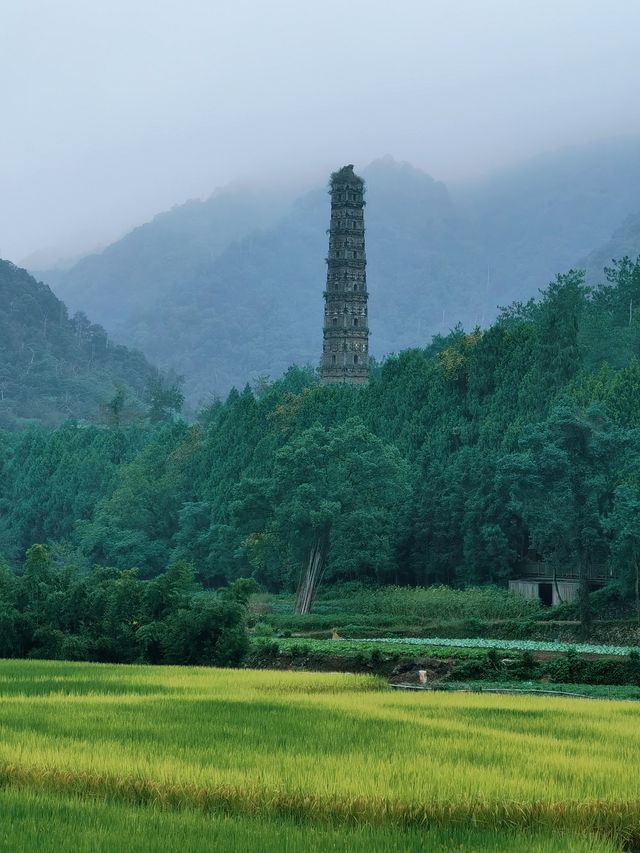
x=345 y=350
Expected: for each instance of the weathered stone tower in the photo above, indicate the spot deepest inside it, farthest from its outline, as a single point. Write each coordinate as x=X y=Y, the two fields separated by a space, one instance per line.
x=345 y=350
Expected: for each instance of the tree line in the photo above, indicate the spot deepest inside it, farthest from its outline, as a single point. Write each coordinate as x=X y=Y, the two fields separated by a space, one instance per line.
x=455 y=464
x=57 y=611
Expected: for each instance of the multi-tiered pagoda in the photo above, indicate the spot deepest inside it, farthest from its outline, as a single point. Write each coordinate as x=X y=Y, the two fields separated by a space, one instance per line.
x=345 y=350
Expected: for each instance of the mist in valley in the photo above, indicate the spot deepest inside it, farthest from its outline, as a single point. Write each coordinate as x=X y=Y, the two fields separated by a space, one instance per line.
x=167 y=166
x=115 y=112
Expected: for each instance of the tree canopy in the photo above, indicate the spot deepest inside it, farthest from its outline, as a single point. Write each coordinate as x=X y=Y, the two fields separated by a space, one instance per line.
x=455 y=464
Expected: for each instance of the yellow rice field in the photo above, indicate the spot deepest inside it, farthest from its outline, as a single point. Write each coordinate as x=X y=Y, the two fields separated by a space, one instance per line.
x=332 y=750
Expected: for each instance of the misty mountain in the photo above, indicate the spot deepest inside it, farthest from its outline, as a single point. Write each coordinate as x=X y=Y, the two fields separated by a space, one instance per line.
x=228 y=289
x=544 y=216
x=151 y=262
x=54 y=367
x=625 y=241
x=256 y=306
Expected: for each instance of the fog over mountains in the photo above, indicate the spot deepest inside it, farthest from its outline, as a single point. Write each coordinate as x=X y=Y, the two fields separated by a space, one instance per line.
x=230 y=288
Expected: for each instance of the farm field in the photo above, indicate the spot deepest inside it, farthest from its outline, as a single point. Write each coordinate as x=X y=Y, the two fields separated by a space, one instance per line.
x=486 y=616
x=365 y=611
x=51 y=823
x=443 y=645
x=240 y=759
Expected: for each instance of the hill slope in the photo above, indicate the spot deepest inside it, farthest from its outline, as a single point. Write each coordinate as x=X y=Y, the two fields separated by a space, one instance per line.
x=625 y=241
x=544 y=216
x=53 y=367
x=156 y=257
x=225 y=301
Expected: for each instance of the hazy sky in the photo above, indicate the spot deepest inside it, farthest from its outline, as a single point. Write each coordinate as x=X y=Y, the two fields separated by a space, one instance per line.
x=113 y=110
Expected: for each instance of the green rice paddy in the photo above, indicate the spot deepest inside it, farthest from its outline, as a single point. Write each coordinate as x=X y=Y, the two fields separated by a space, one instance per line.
x=97 y=757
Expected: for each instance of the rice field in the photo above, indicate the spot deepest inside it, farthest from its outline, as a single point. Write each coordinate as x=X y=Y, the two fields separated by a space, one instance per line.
x=49 y=823
x=236 y=760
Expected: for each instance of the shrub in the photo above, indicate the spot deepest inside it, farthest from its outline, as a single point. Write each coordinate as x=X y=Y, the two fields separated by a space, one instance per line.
x=609 y=601
x=470 y=670
x=150 y=639
x=474 y=627
x=75 y=647
x=525 y=667
x=633 y=667
x=267 y=649
x=262 y=629
x=211 y=632
x=517 y=629
x=376 y=657
x=568 y=669
x=301 y=650
x=606 y=671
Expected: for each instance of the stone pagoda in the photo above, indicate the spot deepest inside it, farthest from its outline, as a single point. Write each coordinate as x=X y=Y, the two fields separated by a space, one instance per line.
x=345 y=349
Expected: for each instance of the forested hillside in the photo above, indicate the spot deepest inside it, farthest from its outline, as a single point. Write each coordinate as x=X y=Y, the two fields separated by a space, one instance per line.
x=454 y=464
x=625 y=241
x=230 y=289
x=143 y=272
x=53 y=367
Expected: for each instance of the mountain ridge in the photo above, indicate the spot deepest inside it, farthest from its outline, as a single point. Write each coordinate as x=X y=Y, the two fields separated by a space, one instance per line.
x=436 y=256
x=54 y=367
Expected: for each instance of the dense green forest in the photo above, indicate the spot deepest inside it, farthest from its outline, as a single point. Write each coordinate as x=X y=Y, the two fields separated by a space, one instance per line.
x=453 y=465
x=54 y=367
x=229 y=289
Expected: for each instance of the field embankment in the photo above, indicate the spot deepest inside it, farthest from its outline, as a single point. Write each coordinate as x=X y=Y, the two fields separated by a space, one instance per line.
x=460 y=637
x=611 y=672
x=324 y=750
x=480 y=612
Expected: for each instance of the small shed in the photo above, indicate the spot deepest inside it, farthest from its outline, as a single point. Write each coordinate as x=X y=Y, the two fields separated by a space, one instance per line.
x=538 y=579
